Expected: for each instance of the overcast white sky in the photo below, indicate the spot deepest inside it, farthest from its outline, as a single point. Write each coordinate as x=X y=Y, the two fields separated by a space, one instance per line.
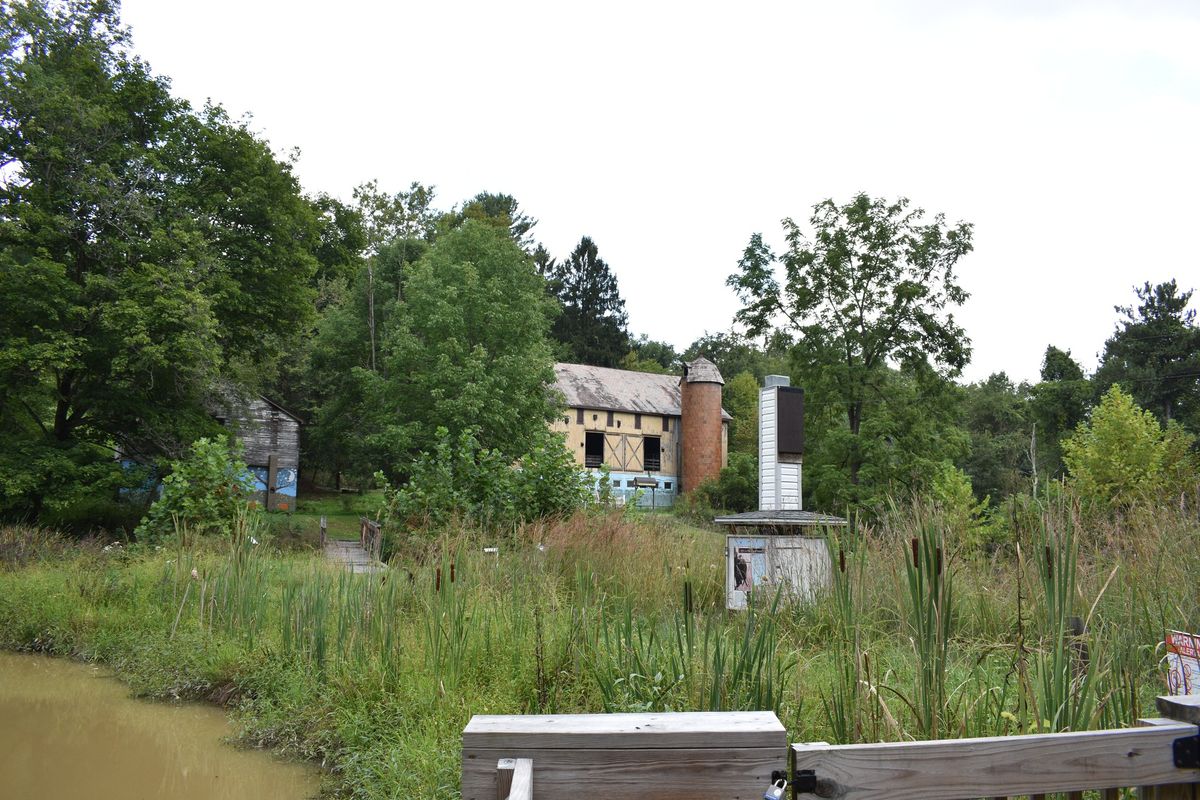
x=1069 y=133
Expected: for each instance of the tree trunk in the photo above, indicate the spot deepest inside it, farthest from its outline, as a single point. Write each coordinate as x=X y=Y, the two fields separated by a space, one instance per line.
x=854 y=418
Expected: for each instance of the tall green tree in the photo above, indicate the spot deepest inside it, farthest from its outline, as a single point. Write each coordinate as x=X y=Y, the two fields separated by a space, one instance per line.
x=467 y=350
x=873 y=286
x=1155 y=354
x=593 y=325
x=996 y=416
x=145 y=249
x=1058 y=403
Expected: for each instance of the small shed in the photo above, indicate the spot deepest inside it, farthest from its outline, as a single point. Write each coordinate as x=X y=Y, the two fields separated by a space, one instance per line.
x=773 y=549
x=270 y=438
x=780 y=546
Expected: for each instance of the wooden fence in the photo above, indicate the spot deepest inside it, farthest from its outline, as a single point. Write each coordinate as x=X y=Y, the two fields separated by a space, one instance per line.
x=737 y=755
x=370 y=536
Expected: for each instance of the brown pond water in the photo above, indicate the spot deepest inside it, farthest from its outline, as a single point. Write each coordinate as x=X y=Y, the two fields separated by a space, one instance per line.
x=67 y=731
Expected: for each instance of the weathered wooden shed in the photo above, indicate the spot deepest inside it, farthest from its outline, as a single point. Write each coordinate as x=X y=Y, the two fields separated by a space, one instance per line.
x=270 y=438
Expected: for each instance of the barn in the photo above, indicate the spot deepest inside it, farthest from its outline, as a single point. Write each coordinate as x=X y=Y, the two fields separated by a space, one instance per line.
x=270 y=438
x=657 y=435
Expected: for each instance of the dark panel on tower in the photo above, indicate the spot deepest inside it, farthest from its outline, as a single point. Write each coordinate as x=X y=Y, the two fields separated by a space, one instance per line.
x=790 y=420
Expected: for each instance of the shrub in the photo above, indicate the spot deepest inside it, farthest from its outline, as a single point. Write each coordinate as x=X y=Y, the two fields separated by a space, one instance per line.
x=1122 y=457
x=205 y=492
x=736 y=487
x=460 y=478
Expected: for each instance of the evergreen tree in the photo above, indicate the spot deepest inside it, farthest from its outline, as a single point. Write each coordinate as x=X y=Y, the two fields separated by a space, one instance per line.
x=1155 y=355
x=593 y=323
x=1060 y=401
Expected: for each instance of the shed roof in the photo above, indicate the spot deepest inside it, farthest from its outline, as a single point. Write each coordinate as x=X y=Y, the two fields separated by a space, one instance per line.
x=607 y=389
x=779 y=519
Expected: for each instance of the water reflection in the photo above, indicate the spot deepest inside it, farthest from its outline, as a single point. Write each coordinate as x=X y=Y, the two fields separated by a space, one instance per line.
x=66 y=731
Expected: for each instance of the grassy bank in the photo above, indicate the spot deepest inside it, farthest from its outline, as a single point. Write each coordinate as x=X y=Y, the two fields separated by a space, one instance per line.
x=375 y=676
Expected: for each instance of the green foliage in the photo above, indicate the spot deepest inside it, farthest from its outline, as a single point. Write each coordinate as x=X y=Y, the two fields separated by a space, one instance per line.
x=955 y=502
x=145 y=249
x=740 y=398
x=1121 y=456
x=995 y=413
x=735 y=488
x=874 y=286
x=465 y=350
x=1059 y=402
x=593 y=325
x=1155 y=355
x=461 y=478
x=912 y=428
x=734 y=354
x=207 y=492
x=647 y=355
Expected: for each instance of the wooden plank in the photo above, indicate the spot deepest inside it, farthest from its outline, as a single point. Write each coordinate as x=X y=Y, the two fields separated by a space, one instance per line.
x=1012 y=765
x=522 y=780
x=1183 y=708
x=651 y=731
x=631 y=774
x=504 y=777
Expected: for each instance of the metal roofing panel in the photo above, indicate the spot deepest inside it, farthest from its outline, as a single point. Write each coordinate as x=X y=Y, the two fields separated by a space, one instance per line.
x=585 y=386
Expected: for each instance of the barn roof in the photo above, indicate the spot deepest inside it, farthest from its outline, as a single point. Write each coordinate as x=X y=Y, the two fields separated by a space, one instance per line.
x=607 y=389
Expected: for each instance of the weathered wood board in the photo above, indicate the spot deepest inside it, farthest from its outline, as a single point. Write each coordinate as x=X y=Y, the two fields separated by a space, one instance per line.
x=949 y=769
x=698 y=756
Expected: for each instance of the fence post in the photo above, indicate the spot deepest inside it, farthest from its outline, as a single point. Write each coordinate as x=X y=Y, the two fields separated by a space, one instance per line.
x=1181 y=708
x=324 y=531
x=514 y=779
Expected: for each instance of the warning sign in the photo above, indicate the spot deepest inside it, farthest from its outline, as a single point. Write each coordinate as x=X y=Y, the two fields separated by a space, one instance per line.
x=1183 y=663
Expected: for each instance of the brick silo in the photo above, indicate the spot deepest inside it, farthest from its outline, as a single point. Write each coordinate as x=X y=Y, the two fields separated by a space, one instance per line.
x=701 y=426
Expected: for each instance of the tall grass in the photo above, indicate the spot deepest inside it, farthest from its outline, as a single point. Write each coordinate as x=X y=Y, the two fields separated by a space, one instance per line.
x=377 y=674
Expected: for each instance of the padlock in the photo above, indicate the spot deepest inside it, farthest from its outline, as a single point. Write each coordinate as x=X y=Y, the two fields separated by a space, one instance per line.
x=775 y=792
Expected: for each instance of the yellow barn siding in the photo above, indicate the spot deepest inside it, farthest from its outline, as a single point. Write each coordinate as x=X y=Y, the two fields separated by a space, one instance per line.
x=623 y=448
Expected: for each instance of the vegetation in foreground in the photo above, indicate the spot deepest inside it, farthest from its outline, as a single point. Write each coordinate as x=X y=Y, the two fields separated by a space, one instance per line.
x=922 y=635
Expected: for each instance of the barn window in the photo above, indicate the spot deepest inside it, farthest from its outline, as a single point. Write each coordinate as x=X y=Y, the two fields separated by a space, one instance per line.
x=630 y=484
x=616 y=484
x=637 y=421
x=595 y=417
x=610 y=419
x=593 y=451
x=579 y=416
x=666 y=424
x=652 y=451
x=667 y=485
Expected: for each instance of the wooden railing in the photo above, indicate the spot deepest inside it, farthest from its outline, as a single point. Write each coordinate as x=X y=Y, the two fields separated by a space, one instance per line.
x=1008 y=766
x=702 y=756
x=514 y=779
x=370 y=536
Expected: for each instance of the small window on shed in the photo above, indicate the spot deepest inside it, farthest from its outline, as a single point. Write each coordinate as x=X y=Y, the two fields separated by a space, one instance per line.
x=579 y=416
x=667 y=485
x=617 y=484
x=637 y=421
x=610 y=419
x=629 y=484
x=666 y=424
